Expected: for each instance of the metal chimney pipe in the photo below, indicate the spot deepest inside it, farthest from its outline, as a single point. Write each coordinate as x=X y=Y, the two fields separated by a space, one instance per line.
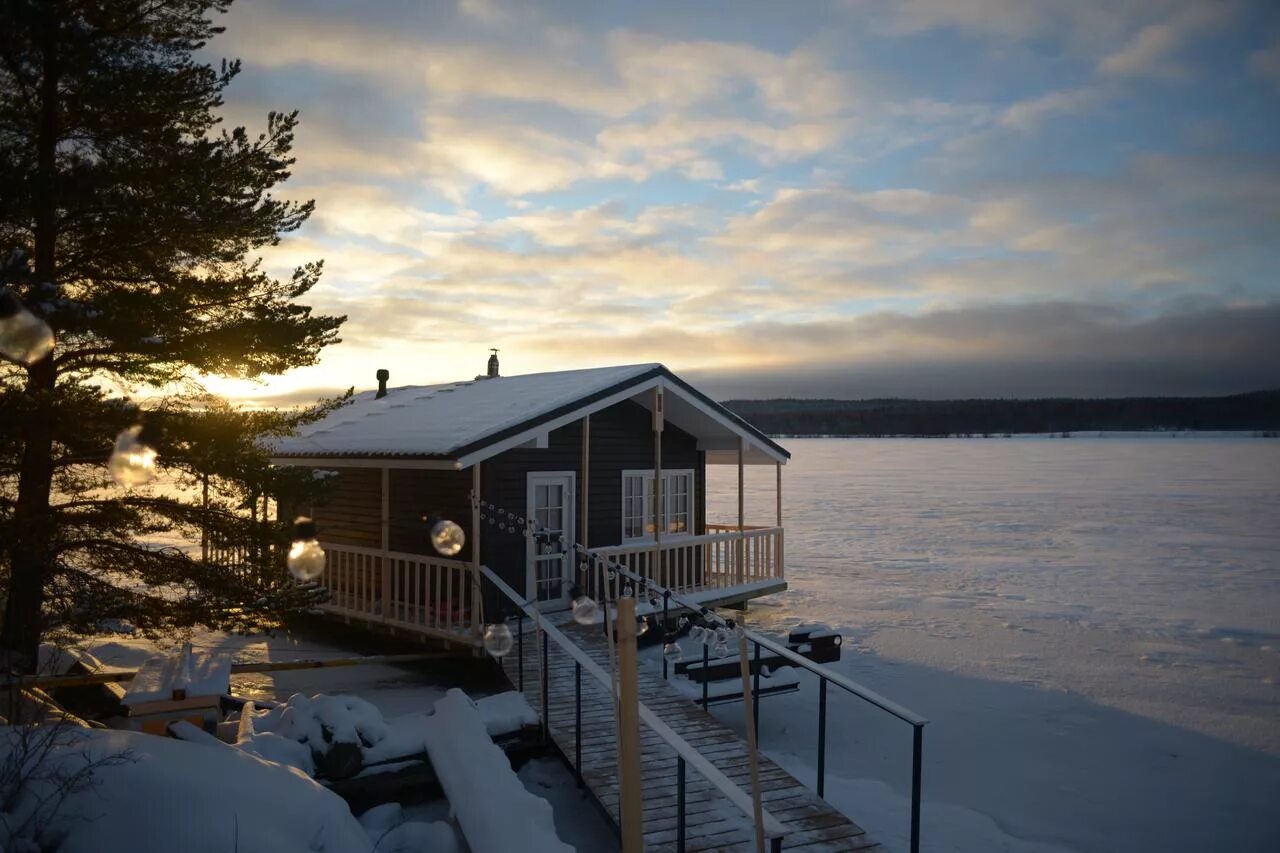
x=383 y=375
x=493 y=364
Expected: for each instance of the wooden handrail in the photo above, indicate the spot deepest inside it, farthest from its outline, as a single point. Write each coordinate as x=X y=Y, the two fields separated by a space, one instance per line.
x=772 y=827
x=685 y=541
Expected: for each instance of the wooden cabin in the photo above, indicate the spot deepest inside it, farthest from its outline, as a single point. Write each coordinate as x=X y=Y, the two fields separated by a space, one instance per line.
x=588 y=454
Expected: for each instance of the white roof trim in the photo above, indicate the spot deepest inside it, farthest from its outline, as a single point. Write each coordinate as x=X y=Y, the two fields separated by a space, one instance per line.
x=546 y=427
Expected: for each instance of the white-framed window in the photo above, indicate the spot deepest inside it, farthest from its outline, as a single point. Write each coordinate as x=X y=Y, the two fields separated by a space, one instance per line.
x=677 y=516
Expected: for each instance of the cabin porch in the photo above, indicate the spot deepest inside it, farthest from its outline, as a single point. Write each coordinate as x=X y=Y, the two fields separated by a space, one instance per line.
x=438 y=596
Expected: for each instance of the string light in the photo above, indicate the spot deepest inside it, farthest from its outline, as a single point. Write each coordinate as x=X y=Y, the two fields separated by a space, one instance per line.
x=720 y=650
x=447 y=537
x=672 y=652
x=24 y=337
x=498 y=641
x=306 y=558
x=133 y=461
x=642 y=626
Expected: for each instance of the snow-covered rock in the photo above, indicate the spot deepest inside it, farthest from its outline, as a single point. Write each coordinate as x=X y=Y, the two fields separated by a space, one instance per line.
x=169 y=794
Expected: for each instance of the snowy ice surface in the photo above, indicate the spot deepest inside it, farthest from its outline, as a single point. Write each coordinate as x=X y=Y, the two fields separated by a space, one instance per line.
x=497 y=814
x=1091 y=625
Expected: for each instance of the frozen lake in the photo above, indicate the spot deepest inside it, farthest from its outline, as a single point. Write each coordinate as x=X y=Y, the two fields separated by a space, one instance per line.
x=1092 y=624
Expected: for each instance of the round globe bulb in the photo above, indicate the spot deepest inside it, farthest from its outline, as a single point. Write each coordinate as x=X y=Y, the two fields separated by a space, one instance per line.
x=672 y=652
x=720 y=650
x=24 y=337
x=497 y=639
x=447 y=537
x=585 y=610
x=642 y=626
x=306 y=560
x=132 y=462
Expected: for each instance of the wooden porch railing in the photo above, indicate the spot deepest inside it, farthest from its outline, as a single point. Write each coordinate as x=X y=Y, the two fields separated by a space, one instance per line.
x=427 y=594
x=711 y=561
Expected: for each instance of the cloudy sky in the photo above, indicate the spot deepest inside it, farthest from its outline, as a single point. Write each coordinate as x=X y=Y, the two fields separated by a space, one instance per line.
x=873 y=197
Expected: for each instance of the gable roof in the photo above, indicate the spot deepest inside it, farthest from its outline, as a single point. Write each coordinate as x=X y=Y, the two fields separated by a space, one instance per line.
x=466 y=422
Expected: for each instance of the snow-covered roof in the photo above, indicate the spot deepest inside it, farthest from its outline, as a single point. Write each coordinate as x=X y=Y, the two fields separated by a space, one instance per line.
x=465 y=422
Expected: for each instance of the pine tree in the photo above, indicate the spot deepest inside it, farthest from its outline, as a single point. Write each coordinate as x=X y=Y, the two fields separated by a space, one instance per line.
x=145 y=221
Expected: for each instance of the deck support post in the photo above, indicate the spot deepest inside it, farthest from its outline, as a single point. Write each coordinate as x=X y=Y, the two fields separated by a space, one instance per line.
x=655 y=572
x=744 y=666
x=542 y=692
x=577 y=724
x=917 y=748
x=385 y=559
x=477 y=604
x=742 y=542
x=778 y=571
x=584 y=491
x=822 y=736
x=630 y=801
x=679 y=804
x=755 y=693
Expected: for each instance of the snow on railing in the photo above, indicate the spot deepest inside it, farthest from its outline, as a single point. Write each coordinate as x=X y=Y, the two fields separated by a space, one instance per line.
x=710 y=561
x=430 y=594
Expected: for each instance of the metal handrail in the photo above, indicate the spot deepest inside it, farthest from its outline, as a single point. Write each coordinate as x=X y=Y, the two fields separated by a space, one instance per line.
x=687 y=754
x=904 y=714
x=916 y=721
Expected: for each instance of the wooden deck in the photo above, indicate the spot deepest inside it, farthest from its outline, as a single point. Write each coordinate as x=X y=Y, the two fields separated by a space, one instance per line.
x=711 y=821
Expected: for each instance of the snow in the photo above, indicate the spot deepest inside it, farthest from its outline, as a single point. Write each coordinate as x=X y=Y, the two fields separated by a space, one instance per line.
x=504 y=713
x=168 y=794
x=497 y=814
x=322 y=721
x=1090 y=625
x=439 y=419
x=198 y=673
x=392 y=832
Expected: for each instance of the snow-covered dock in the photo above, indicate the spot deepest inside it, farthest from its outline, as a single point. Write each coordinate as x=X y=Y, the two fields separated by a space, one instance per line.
x=711 y=821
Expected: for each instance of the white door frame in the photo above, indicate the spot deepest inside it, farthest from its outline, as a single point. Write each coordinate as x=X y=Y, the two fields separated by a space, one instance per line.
x=568 y=479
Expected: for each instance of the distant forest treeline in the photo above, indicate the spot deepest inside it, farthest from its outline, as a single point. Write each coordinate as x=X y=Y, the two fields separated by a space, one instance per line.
x=1259 y=410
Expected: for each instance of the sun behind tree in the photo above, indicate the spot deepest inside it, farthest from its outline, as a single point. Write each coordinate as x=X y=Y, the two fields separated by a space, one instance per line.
x=144 y=221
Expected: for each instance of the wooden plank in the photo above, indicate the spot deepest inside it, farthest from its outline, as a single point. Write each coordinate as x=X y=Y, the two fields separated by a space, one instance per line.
x=711 y=823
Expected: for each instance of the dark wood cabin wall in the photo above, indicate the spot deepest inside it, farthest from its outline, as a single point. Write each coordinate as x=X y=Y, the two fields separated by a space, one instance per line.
x=350 y=513
x=415 y=493
x=621 y=439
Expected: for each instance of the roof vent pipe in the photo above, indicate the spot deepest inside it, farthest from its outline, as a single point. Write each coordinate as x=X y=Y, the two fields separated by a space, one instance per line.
x=493 y=364
x=383 y=375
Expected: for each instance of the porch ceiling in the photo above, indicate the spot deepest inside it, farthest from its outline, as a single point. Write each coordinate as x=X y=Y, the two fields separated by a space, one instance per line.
x=716 y=434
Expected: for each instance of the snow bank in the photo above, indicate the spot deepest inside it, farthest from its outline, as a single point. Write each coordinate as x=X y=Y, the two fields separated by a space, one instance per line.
x=167 y=794
x=496 y=812
x=504 y=713
x=390 y=832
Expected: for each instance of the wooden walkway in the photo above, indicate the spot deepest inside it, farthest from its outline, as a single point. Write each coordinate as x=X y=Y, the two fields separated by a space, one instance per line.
x=711 y=821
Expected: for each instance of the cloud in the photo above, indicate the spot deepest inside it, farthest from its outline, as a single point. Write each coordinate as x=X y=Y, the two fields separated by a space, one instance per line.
x=1265 y=62
x=1028 y=115
x=1150 y=51
x=1043 y=349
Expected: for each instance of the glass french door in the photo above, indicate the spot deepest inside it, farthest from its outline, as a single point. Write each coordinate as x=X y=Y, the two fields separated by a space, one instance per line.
x=550 y=564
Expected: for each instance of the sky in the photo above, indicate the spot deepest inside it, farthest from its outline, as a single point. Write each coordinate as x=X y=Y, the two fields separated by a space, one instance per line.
x=928 y=198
